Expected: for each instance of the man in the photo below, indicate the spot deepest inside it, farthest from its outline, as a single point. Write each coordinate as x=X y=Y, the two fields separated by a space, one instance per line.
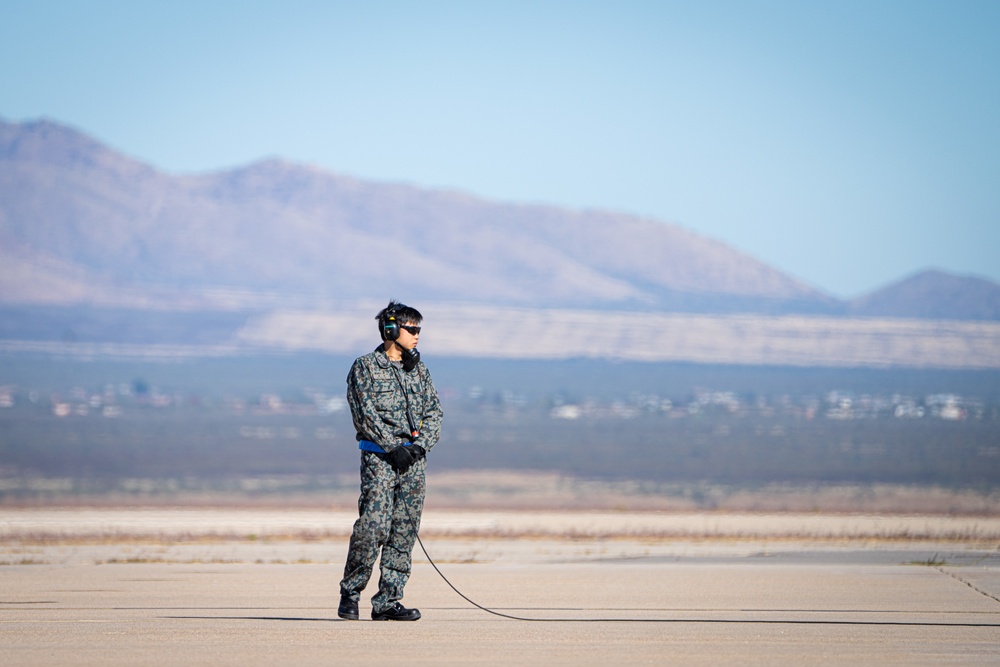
x=397 y=416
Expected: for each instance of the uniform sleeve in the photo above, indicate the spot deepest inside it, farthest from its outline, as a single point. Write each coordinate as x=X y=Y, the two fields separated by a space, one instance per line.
x=367 y=419
x=431 y=416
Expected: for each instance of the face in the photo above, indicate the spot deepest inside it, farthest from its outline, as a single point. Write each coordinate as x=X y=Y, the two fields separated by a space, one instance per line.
x=406 y=339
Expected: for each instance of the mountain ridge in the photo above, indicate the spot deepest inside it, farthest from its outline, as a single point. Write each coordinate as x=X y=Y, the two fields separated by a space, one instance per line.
x=83 y=223
x=120 y=220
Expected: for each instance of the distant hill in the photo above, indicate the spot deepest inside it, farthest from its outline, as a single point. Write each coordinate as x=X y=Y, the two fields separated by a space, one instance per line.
x=933 y=295
x=79 y=221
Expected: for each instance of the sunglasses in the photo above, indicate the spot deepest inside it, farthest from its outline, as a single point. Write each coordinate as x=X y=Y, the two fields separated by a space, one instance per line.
x=411 y=329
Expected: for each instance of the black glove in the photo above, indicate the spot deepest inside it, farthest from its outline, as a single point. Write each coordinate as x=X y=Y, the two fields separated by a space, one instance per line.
x=401 y=459
x=418 y=452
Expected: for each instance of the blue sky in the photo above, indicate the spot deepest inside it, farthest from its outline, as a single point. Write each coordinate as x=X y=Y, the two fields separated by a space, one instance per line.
x=848 y=143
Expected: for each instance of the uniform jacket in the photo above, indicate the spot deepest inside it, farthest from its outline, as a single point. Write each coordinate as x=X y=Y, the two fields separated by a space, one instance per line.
x=388 y=404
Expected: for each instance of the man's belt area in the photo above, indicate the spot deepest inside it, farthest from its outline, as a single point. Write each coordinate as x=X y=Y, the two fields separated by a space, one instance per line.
x=369 y=446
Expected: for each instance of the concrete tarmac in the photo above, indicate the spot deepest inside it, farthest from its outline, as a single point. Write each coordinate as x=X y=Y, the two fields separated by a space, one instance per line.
x=834 y=608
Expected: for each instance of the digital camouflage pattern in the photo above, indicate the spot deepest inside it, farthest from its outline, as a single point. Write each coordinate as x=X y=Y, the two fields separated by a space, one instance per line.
x=387 y=405
x=382 y=412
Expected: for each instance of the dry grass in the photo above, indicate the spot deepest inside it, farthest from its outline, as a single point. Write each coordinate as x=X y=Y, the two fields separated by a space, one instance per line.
x=526 y=490
x=70 y=527
x=541 y=491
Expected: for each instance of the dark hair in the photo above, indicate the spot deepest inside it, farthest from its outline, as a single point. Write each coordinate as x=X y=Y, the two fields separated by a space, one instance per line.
x=398 y=311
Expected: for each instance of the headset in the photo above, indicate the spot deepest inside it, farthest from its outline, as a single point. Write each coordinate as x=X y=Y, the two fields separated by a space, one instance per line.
x=390 y=328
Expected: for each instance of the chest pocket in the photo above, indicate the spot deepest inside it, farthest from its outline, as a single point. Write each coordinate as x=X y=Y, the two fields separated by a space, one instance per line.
x=389 y=388
x=386 y=398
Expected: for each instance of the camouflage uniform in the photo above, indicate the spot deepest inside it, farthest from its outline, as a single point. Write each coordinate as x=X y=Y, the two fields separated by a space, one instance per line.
x=390 y=504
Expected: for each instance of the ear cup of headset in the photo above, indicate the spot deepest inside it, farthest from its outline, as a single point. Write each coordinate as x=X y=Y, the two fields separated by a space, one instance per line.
x=391 y=329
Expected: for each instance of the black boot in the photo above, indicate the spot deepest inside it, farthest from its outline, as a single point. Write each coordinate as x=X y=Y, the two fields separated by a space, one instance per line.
x=396 y=612
x=348 y=609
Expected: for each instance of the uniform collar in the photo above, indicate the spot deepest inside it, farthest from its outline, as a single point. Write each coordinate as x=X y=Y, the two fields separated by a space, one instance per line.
x=383 y=359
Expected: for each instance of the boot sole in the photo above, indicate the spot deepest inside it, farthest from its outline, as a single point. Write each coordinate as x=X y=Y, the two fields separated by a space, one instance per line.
x=383 y=617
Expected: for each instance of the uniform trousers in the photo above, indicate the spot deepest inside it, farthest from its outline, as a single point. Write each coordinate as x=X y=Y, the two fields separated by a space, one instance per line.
x=389 y=510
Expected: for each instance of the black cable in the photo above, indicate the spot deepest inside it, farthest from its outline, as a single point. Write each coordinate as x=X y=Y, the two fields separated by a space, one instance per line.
x=460 y=593
x=525 y=618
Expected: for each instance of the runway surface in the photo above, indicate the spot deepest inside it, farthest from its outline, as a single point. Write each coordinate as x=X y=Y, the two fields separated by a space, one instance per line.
x=690 y=605
x=773 y=611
